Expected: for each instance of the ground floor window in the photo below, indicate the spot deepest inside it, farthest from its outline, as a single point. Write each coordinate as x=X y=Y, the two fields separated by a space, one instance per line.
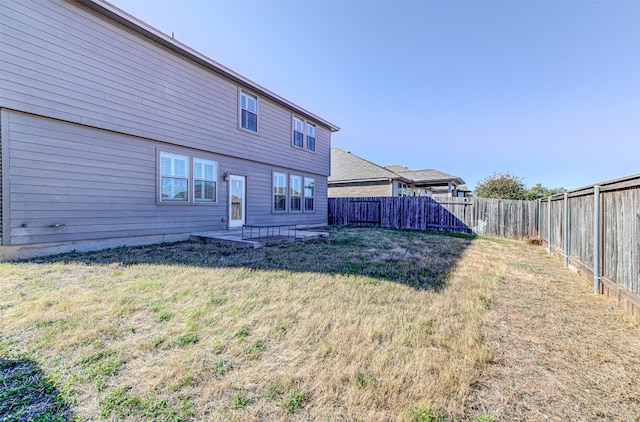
x=204 y=179
x=295 y=195
x=174 y=177
x=309 y=193
x=279 y=192
x=184 y=178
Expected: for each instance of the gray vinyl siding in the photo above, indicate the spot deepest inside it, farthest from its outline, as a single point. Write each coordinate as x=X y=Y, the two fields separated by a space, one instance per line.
x=63 y=61
x=260 y=191
x=71 y=182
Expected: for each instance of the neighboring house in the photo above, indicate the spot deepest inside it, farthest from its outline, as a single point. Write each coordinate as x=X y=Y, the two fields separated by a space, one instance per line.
x=352 y=176
x=114 y=133
x=463 y=191
x=435 y=182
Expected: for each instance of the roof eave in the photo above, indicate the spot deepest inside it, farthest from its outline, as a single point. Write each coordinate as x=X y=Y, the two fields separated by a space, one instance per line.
x=371 y=179
x=456 y=180
x=136 y=25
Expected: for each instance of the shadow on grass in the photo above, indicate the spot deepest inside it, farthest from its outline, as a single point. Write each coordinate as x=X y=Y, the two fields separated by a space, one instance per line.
x=418 y=259
x=27 y=395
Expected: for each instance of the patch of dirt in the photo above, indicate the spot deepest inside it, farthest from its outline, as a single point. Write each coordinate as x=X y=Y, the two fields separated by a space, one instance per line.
x=559 y=352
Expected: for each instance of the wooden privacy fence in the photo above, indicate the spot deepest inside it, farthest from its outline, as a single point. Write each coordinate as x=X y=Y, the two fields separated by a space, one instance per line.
x=597 y=230
x=491 y=217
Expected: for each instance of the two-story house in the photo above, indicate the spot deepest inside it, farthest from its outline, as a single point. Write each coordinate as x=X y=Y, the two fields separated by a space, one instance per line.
x=114 y=133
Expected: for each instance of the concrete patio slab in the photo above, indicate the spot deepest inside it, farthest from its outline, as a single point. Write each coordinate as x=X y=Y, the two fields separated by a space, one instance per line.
x=234 y=238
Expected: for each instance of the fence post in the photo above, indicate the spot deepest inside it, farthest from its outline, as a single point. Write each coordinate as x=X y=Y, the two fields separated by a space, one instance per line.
x=596 y=239
x=549 y=228
x=565 y=229
x=539 y=217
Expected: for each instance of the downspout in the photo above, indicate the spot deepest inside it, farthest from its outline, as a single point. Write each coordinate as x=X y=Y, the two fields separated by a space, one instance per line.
x=596 y=239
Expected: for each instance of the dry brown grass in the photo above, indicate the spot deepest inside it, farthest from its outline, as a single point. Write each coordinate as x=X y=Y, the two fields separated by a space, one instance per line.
x=560 y=353
x=198 y=332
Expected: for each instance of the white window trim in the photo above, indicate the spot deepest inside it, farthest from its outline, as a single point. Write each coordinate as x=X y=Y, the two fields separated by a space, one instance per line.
x=242 y=91
x=205 y=161
x=304 y=196
x=295 y=120
x=305 y=133
x=273 y=192
x=287 y=179
x=306 y=137
x=299 y=196
x=174 y=158
x=191 y=159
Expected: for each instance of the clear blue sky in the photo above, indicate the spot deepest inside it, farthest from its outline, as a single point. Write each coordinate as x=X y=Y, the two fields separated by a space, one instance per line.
x=546 y=90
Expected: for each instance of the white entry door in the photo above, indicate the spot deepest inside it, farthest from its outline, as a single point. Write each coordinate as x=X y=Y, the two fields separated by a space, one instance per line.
x=237 y=201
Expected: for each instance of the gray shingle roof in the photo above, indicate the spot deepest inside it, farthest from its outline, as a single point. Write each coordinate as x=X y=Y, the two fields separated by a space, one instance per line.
x=426 y=175
x=396 y=168
x=348 y=167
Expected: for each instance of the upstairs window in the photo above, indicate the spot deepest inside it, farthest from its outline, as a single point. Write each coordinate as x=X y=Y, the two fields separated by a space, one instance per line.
x=249 y=111
x=174 y=174
x=295 y=193
x=298 y=132
x=204 y=180
x=311 y=137
x=279 y=192
x=309 y=193
x=304 y=134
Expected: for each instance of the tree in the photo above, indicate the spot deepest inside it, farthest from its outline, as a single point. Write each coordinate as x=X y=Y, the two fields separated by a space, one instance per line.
x=508 y=186
x=501 y=185
x=539 y=191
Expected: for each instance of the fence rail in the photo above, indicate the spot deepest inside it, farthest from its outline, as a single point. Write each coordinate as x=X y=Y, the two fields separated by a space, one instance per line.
x=596 y=229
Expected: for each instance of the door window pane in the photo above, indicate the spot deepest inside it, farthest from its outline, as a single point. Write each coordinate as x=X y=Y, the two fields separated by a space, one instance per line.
x=237 y=194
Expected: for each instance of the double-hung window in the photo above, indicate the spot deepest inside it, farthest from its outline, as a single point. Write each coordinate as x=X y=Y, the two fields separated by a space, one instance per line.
x=204 y=180
x=187 y=179
x=296 y=196
x=174 y=175
x=249 y=111
x=298 y=132
x=304 y=134
x=295 y=193
x=279 y=191
x=309 y=193
x=311 y=137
